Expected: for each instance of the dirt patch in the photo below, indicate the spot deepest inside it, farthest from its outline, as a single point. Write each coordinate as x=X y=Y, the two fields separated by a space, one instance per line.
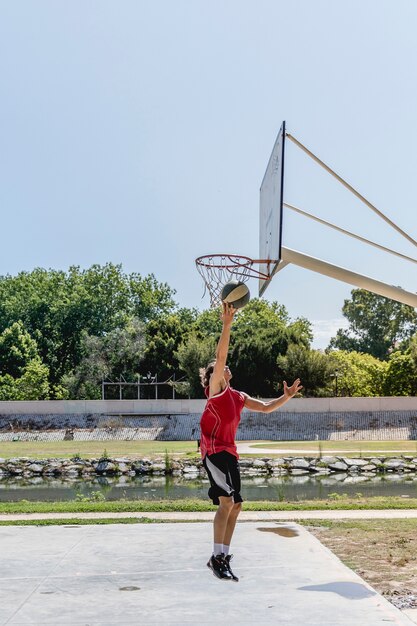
x=383 y=552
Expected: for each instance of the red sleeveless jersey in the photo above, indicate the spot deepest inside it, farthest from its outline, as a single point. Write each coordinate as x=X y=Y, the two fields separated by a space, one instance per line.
x=219 y=422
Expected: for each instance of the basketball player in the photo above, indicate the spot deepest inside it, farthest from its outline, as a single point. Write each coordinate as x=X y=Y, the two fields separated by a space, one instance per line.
x=219 y=424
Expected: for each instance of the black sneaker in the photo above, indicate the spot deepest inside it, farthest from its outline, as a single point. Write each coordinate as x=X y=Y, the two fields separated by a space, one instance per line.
x=227 y=559
x=219 y=567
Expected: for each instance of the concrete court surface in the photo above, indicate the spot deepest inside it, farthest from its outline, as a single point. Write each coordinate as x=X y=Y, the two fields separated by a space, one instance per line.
x=156 y=574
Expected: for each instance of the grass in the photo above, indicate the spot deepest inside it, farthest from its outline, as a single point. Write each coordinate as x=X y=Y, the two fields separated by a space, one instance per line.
x=363 y=525
x=383 y=552
x=194 y=505
x=94 y=449
x=140 y=449
x=83 y=522
x=364 y=448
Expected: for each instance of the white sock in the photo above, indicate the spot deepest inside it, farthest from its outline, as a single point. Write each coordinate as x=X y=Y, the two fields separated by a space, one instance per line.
x=217 y=548
x=226 y=550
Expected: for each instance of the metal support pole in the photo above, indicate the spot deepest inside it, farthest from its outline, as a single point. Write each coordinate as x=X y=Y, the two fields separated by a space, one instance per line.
x=102 y=389
x=351 y=189
x=347 y=232
x=173 y=387
x=156 y=386
x=352 y=278
x=138 y=386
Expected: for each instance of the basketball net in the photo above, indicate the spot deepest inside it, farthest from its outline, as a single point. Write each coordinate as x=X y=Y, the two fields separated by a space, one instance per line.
x=218 y=269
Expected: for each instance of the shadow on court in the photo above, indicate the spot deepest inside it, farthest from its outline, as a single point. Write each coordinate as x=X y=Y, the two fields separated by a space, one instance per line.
x=157 y=574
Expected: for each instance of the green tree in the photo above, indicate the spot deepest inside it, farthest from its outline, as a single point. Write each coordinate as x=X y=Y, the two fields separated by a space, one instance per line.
x=34 y=383
x=261 y=333
x=376 y=324
x=116 y=355
x=22 y=374
x=313 y=367
x=193 y=354
x=300 y=331
x=401 y=375
x=412 y=347
x=7 y=388
x=208 y=324
x=358 y=374
x=58 y=307
x=17 y=349
x=164 y=335
x=149 y=298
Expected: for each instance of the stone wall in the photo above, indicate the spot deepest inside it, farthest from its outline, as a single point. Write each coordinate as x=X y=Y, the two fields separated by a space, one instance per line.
x=191 y=468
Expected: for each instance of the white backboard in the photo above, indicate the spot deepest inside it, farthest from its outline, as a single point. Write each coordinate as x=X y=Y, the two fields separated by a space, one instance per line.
x=270 y=210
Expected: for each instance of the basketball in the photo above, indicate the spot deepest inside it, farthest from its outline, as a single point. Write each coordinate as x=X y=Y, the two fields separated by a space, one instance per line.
x=235 y=293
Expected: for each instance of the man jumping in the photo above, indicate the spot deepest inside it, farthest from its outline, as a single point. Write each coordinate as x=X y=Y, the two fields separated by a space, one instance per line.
x=219 y=423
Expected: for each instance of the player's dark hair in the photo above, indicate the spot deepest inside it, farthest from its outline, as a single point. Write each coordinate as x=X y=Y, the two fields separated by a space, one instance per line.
x=205 y=374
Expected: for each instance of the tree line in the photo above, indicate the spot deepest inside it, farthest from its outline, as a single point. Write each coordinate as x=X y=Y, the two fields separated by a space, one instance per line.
x=62 y=333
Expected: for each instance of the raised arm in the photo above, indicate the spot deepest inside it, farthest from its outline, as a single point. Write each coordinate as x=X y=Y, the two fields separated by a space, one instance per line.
x=217 y=382
x=273 y=405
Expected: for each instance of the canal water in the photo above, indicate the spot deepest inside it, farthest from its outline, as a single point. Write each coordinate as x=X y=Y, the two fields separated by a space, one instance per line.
x=290 y=488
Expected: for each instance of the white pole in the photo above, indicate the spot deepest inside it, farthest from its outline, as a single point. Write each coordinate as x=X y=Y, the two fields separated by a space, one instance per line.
x=352 y=278
x=351 y=189
x=347 y=232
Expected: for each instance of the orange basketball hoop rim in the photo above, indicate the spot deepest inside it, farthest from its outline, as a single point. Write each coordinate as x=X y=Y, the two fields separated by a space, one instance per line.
x=218 y=269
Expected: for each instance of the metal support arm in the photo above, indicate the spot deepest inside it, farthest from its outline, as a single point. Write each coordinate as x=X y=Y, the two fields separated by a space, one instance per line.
x=352 y=278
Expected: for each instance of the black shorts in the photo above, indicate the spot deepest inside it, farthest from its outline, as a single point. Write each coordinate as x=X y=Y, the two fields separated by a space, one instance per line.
x=223 y=472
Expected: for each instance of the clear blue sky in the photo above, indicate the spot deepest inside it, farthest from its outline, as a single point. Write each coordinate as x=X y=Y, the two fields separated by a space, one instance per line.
x=139 y=132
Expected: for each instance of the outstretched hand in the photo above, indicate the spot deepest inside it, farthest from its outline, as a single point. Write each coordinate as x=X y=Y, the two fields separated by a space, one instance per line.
x=289 y=392
x=227 y=313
